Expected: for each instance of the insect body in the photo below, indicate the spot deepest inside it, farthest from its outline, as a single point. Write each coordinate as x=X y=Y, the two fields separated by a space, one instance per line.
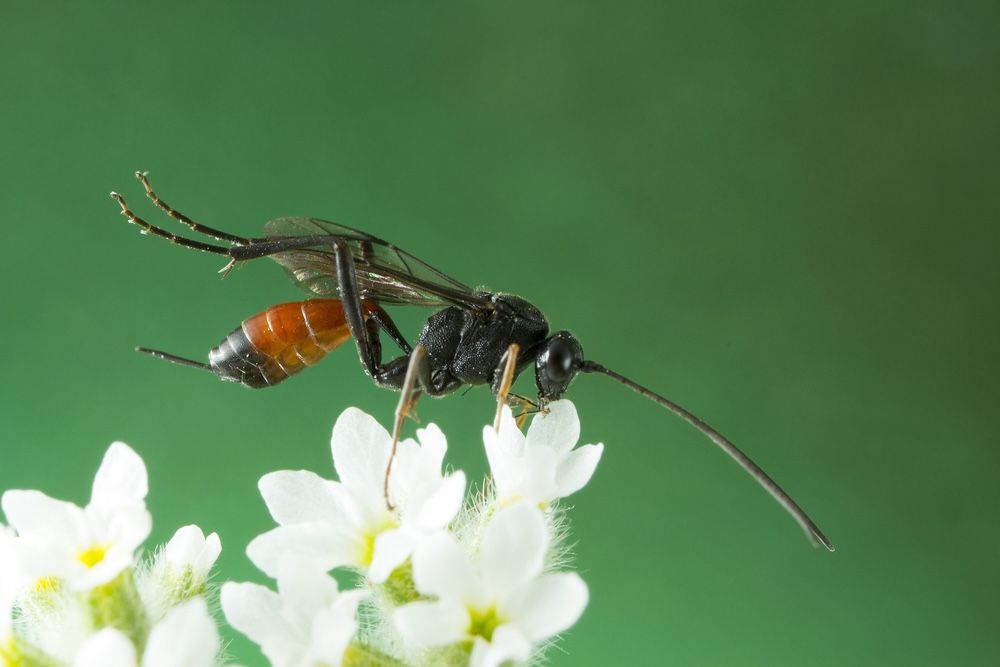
x=278 y=343
x=354 y=274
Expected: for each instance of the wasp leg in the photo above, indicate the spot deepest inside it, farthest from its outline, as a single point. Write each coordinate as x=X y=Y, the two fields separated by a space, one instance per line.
x=528 y=407
x=385 y=323
x=407 y=400
x=243 y=250
x=369 y=352
x=170 y=236
x=504 y=379
x=183 y=219
x=365 y=331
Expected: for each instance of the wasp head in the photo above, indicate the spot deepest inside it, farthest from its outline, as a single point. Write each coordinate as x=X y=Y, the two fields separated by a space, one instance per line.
x=557 y=363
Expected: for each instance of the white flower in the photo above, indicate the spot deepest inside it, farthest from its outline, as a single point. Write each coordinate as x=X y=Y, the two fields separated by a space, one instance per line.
x=542 y=466
x=347 y=523
x=180 y=571
x=502 y=601
x=87 y=546
x=189 y=551
x=8 y=574
x=186 y=637
x=306 y=623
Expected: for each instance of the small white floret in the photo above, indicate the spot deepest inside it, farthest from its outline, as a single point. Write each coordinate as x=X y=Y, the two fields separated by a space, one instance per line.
x=540 y=466
x=89 y=546
x=189 y=550
x=347 y=522
x=307 y=622
x=500 y=600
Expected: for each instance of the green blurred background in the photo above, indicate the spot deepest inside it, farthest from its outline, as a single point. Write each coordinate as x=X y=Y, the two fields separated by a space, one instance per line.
x=782 y=216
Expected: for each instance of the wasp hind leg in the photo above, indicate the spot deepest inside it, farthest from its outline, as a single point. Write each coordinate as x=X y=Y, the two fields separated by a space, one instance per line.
x=416 y=369
x=148 y=228
x=183 y=219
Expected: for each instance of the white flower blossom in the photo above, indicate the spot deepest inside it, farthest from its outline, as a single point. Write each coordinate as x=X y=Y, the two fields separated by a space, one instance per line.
x=84 y=547
x=471 y=585
x=347 y=523
x=8 y=573
x=180 y=570
x=542 y=466
x=501 y=600
x=186 y=637
x=308 y=622
x=190 y=551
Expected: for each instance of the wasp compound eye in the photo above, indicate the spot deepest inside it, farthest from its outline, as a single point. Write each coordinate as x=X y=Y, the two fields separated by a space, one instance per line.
x=557 y=364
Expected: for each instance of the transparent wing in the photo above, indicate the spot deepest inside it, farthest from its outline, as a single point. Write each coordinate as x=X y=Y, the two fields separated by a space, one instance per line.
x=384 y=272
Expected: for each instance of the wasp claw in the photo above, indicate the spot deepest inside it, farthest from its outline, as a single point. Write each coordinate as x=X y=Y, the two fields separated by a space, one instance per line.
x=224 y=271
x=121 y=202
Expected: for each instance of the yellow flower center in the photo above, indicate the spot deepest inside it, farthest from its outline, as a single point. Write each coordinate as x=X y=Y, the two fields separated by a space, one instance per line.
x=483 y=623
x=46 y=585
x=10 y=655
x=92 y=555
x=368 y=539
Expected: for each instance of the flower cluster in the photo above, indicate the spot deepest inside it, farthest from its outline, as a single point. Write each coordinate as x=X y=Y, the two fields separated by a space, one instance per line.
x=73 y=592
x=446 y=577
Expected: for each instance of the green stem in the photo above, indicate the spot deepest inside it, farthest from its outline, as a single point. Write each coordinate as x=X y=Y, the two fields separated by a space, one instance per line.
x=363 y=655
x=399 y=588
x=117 y=604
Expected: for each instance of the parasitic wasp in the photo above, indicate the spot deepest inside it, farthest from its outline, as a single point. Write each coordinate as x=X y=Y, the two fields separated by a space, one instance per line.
x=468 y=341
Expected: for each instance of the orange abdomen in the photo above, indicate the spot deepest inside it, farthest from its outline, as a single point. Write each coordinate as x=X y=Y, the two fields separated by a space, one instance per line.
x=281 y=341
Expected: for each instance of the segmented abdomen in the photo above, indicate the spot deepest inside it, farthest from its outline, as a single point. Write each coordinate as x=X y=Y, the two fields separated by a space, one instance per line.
x=281 y=341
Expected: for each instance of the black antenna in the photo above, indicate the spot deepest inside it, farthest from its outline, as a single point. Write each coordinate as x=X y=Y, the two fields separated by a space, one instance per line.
x=813 y=532
x=174 y=359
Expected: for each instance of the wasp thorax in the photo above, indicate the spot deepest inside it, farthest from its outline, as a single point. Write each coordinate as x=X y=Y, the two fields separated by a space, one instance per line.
x=557 y=364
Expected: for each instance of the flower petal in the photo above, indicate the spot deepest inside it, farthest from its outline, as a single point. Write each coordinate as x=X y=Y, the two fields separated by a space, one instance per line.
x=190 y=548
x=432 y=623
x=513 y=548
x=360 y=448
x=9 y=575
x=305 y=588
x=436 y=505
x=114 y=562
x=537 y=481
x=507 y=644
x=121 y=479
x=577 y=468
x=548 y=605
x=392 y=548
x=35 y=557
x=106 y=648
x=504 y=451
x=328 y=546
x=333 y=628
x=442 y=568
x=186 y=637
x=298 y=496
x=255 y=611
x=559 y=429
x=433 y=446
x=126 y=527
x=36 y=514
